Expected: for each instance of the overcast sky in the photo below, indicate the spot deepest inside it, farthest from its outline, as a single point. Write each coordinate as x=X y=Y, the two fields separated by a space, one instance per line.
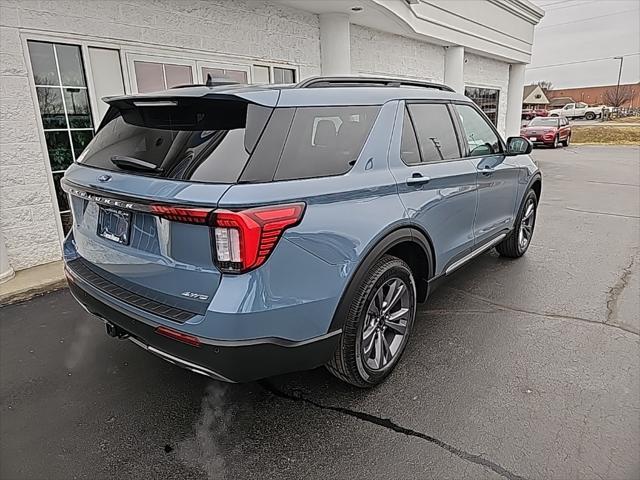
x=575 y=30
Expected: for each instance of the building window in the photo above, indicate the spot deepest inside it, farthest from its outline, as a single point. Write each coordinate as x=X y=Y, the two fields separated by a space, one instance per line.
x=267 y=74
x=283 y=75
x=153 y=77
x=487 y=99
x=231 y=74
x=61 y=88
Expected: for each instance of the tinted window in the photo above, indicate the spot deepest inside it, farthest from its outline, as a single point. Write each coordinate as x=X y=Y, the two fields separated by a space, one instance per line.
x=436 y=135
x=204 y=141
x=324 y=141
x=409 y=145
x=480 y=136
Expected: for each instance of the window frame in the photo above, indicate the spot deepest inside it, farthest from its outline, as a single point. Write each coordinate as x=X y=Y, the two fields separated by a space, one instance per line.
x=200 y=64
x=463 y=134
x=462 y=144
x=486 y=87
x=132 y=57
x=272 y=65
x=25 y=38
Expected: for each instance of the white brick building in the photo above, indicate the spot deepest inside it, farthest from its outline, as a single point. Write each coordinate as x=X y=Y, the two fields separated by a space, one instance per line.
x=102 y=47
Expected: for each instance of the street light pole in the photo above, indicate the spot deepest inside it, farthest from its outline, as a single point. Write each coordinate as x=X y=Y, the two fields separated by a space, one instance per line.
x=619 y=75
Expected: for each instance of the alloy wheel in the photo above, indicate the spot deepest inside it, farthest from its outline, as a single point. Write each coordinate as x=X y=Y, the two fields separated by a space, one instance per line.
x=526 y=225
x=386 y=322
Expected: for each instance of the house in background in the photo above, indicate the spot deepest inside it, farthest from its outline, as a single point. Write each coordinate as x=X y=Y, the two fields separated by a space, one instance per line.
x=559 y=102
x=598 y=95
x=534 y=97
x=60 y=58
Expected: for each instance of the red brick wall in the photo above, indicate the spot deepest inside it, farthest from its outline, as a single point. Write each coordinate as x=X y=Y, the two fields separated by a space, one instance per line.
x=594 y=95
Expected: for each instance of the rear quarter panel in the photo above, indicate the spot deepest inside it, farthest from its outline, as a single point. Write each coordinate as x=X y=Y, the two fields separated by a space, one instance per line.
x=345 y=215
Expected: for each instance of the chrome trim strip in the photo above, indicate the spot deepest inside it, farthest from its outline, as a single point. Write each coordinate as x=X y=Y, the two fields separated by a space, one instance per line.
x=180 y=362
x=473 y=254
x=102 y=200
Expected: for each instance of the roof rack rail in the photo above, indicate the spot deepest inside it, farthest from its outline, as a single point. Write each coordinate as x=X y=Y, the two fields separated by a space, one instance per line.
x=354 y=81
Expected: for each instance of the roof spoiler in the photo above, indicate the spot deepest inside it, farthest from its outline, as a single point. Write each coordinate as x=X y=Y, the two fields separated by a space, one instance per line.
x=169 y=98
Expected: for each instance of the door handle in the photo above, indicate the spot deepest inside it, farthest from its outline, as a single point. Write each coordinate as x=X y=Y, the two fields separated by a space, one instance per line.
x=487 y=171
x=417 y=179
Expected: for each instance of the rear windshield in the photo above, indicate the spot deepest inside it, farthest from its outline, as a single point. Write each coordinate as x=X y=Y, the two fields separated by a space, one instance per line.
x=205 y=142
x=230 y=141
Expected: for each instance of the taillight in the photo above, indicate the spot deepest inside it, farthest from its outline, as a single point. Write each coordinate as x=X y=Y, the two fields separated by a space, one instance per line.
x=182 y=214
x=244 y=239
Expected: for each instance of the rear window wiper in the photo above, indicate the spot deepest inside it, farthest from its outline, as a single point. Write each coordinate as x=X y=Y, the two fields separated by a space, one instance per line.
x=134 y=163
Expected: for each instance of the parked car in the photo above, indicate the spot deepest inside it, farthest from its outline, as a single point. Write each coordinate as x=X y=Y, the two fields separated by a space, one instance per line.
x=247 y=231
x=550 y=131
x=577 y=110
x=529 y=113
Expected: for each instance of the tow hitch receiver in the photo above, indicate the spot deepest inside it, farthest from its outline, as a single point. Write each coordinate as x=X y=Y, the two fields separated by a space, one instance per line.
x=115 y=331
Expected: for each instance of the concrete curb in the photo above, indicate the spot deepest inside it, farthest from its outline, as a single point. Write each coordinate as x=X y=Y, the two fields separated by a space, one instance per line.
x=29 y=293
x=33 y=282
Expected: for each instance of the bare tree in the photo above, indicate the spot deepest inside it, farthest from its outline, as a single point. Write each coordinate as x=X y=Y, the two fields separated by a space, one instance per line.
x=617 y=97
x=545 y=85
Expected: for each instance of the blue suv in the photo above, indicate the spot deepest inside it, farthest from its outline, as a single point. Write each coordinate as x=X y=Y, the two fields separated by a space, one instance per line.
x=247 y=231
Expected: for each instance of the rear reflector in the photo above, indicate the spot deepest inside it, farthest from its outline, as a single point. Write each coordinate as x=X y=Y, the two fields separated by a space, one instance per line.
x=182 y=214
x=179 y=336
x=245 y=239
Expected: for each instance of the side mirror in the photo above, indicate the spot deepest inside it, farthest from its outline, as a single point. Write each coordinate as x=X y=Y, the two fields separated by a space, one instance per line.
x=518 y=146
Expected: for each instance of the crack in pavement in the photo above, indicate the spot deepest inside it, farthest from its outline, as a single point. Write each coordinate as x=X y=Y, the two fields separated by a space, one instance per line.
x=614 y=183
x=390 y=425
x=540 y=314
x=614 y=292
x=602 y=213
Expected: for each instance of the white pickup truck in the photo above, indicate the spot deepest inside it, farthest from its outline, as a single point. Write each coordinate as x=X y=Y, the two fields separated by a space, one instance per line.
x=577 y=110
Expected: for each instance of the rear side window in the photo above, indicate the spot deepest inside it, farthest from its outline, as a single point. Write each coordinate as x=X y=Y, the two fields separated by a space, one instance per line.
x=324 y=141
x=201 y=141
x=409 y=151
x=434 y=129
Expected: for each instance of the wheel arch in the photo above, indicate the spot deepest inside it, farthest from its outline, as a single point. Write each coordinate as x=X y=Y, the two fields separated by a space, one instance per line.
x=407 y=243
x=536 y=185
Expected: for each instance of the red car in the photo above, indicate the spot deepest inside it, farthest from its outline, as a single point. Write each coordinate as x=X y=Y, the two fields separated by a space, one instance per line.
x=529 y=113
x=551 y=131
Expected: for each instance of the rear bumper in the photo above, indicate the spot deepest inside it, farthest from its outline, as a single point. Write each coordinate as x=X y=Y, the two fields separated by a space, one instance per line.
x=542 y=141
x=231 y=361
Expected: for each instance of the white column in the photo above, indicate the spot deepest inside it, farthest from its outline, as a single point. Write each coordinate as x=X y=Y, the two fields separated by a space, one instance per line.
x=454 y=68
x=514 y=99
x=335 y=44
x=6 y=272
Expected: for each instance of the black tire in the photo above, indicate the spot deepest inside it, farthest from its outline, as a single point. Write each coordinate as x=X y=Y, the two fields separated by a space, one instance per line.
x=589 y=116
x=556 y=142
x=349 y=363
x=512 y=246
x=567 y=141
x=553 y=115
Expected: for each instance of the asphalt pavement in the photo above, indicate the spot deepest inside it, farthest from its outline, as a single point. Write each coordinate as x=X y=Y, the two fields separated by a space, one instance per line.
x=516 y=369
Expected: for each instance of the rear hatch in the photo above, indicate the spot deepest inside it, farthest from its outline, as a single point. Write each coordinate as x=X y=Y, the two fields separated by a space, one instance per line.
x=142 y=192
